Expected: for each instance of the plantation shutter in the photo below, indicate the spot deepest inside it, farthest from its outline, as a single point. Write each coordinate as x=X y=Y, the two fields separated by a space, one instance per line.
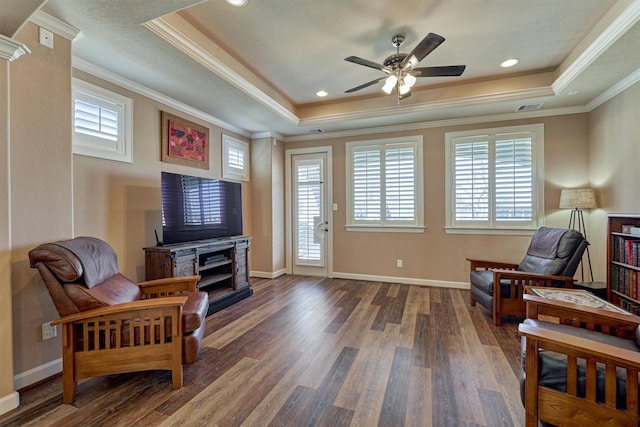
x=235 y=158
x=367 y=183
x=471 y=176
x=96 y=117
x=400 y=183
x=514 y=178
x=493 y=178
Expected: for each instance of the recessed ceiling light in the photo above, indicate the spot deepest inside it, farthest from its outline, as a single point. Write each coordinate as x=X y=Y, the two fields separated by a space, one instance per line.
x=321 y=93
x=237 y=3
x=509 y=63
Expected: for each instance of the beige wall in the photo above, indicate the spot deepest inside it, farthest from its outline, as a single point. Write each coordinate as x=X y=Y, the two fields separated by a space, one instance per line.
x=267 y=176
x=120 y=202
x=6 y=327
x=614 y=134
x=41 y=192
x=434 y=255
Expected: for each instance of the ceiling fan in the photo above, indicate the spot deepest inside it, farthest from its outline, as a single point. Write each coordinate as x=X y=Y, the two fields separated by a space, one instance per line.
x=400 y=67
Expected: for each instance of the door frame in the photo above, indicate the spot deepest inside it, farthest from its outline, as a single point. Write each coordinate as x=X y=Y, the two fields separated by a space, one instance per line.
x=289 y=153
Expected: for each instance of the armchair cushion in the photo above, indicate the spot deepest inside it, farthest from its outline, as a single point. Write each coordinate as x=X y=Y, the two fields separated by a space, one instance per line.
x=98 y=259
x=550 y=251
x=194 y=311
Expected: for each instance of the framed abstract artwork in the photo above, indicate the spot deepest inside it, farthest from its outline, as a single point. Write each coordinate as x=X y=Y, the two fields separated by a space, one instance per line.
x=184 y=142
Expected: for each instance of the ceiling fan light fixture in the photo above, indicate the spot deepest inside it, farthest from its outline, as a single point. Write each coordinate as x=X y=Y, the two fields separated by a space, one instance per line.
x=409 y=80
x=389 y=84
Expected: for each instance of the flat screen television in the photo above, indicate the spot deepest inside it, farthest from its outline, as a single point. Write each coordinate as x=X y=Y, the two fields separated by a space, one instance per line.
x=196 y=208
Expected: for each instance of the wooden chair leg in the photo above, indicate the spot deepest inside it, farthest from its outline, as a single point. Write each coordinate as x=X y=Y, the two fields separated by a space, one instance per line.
x=531 y=383
x=176 y=376
x=68 y=365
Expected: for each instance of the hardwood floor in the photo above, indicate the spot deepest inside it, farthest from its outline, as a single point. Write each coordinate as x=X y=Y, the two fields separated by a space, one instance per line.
x=306 y=351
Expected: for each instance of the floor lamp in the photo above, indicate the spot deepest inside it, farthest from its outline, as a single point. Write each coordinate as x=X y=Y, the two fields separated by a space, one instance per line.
x=578 y=199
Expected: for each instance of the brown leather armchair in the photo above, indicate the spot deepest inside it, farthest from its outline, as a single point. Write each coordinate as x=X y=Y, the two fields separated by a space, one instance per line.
x=112 y=325
x=551 y=260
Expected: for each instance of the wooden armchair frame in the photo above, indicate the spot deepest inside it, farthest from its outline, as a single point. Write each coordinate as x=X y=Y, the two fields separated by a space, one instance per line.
x=128 y=337
x=513 y=305
x=567 y=408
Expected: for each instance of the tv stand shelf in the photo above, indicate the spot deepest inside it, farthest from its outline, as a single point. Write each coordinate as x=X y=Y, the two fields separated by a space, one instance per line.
x=223 y=266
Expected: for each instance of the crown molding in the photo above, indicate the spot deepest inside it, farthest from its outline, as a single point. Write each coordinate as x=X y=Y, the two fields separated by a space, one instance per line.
x=55 y=25
x=170 y=34
x=623 y=22
x=274 y=135
x=428 y=106
x=10 y=50
x=439 y=123
x=614 y=90
x=123 y=82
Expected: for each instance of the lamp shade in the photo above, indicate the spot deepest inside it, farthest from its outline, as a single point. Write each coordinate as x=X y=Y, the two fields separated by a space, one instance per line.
x=577 y=198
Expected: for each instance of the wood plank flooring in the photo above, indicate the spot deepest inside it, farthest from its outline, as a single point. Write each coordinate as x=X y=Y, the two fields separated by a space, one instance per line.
x=306 y=351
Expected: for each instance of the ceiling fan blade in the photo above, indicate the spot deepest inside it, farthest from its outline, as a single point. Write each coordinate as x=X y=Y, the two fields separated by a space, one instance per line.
x=367 y=63
x=362 y=86
x=449 y=70
x=424 y=48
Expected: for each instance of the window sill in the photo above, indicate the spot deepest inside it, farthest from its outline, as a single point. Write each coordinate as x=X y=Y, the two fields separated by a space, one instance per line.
x=523 y=231
x=386 y=229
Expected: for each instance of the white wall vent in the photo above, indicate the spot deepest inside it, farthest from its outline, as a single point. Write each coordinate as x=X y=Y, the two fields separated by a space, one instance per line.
x=529 y=107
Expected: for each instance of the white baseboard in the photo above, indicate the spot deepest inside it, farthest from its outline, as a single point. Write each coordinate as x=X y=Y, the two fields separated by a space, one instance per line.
x=37 y=374
x=9 y=402
x=403 y=280
x=268 y=275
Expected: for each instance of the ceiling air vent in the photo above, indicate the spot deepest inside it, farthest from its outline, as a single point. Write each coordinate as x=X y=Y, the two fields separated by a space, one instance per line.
x=315 y=131
x=529 y=107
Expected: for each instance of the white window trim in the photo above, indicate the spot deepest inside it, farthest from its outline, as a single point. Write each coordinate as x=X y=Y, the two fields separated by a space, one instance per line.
x=538 y=182
x=227 y=170
x=418 y=225
x=92 y=146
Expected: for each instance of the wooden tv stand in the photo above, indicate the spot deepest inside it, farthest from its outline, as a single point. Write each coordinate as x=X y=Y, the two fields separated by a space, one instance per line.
x=223 y=265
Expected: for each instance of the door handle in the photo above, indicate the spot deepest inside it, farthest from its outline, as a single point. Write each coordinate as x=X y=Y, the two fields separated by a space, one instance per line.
x=321 y=226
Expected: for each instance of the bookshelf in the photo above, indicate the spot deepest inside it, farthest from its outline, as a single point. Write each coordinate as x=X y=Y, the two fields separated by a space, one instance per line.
x=623 y=261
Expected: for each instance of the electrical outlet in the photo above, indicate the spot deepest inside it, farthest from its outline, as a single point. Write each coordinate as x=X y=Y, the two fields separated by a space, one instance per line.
x=48 y=331
x=46 y=38
x=399 y=263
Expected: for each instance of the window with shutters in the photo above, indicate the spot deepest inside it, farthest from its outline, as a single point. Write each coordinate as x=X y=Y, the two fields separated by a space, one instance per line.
x=495 y=179
x=102 y=123
x=384 y=185
x=235 y=158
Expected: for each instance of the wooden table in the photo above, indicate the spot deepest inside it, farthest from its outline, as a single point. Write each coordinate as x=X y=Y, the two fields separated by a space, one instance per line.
x=574 y=296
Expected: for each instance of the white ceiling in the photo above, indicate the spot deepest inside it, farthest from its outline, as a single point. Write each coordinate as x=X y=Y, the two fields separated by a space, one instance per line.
x=257 y=68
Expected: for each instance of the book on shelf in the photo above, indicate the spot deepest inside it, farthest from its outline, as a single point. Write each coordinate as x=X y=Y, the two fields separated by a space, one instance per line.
x=634 y=231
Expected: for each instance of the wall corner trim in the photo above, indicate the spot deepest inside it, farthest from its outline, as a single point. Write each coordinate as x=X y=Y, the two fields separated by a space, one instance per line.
x=11 y=50
x=9 y=402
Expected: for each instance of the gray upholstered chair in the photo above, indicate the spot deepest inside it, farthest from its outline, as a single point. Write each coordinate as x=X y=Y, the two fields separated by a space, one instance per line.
x=551 y=260
x=579 y=365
